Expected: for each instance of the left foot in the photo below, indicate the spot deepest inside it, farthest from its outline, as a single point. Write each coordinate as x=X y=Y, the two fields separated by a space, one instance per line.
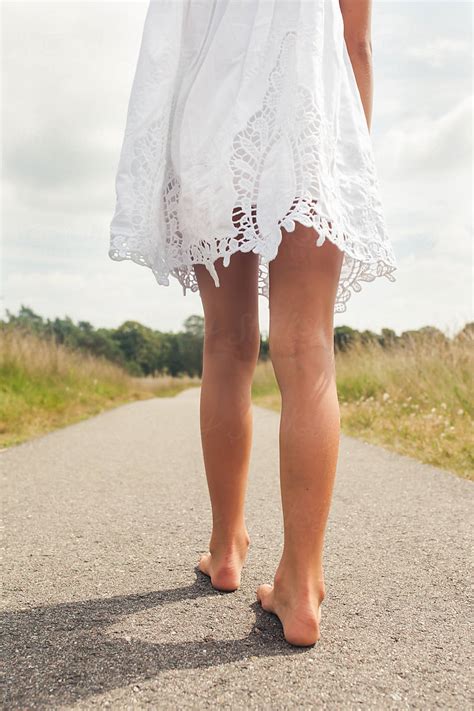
x=297 y=607
x=223 y=564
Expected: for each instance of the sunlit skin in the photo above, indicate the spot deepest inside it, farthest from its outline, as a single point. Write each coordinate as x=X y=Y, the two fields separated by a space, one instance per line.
x=231 y=348
x=303 y=282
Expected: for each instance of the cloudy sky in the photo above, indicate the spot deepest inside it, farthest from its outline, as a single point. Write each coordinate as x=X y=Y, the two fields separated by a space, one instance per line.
x=67 y=74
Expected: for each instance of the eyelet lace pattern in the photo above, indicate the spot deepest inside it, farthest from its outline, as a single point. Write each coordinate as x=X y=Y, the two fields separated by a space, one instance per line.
x=341 y=205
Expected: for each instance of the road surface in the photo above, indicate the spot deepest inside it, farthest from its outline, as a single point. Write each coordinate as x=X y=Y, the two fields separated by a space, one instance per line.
x=105 y=521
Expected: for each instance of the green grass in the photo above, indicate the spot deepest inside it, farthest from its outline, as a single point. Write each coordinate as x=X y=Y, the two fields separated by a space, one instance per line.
x=416 y=399
x=44 y=386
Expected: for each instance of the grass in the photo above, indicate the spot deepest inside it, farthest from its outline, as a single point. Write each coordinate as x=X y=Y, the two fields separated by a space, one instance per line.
x=415 y=399
x=44 y=385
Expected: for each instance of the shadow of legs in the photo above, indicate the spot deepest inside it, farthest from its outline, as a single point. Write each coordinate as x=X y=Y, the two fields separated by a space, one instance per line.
x=60 y=654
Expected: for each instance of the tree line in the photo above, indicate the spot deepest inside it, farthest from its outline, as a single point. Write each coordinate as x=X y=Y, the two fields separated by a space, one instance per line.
x=143 y=351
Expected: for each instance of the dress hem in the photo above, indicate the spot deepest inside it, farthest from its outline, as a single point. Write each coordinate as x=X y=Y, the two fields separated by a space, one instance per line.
x=362 y=269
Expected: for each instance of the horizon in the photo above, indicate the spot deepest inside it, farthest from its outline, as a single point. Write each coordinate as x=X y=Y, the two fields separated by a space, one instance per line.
x=450 y=333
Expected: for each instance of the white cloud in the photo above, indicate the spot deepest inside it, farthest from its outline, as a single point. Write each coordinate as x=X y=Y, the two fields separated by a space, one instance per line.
x=441 y=50
x=430 y=145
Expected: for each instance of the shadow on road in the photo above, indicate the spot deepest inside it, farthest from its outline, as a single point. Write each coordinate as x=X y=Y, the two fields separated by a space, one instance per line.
x=60 y=654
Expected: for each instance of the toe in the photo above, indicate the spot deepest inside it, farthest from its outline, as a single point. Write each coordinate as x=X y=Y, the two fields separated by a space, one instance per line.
x=264 y=596
x=204 y=562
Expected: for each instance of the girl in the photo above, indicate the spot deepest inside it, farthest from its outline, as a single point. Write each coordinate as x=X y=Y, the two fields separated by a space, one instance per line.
x=247 y=169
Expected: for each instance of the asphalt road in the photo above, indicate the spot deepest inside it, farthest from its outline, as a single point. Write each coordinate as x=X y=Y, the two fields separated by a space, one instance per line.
x=104 y=607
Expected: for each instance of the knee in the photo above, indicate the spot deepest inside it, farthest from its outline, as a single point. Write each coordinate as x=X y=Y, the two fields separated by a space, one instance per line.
x=238 y=344
x=312 y=345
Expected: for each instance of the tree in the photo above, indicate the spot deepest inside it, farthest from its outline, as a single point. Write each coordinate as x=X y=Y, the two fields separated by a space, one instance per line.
x=194 y=325
x=388 y=337
x=26 y=319
x=344 y=337
x=139 y=346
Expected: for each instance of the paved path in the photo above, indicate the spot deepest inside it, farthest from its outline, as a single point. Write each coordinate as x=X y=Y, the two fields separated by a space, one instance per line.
x=105 y=521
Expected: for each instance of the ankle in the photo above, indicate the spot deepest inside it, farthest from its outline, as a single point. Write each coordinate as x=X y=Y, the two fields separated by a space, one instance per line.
x=229 y=540
x=303 y=581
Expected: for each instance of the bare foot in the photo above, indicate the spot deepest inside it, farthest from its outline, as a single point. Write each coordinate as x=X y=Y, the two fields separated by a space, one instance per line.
x=297 y=607
x=223 y=564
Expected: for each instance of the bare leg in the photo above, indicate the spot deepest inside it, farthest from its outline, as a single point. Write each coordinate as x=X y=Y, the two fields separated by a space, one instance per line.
x=231 y=348
x=303 y=285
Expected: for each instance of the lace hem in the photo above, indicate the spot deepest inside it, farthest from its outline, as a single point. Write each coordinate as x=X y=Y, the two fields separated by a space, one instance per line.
x=363 y=261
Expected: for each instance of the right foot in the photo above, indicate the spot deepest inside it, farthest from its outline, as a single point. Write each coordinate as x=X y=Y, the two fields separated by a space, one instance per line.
x=223 y=564
x=297 y=607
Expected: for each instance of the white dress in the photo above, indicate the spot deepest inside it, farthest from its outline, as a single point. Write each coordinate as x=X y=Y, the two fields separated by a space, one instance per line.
x=244 y=118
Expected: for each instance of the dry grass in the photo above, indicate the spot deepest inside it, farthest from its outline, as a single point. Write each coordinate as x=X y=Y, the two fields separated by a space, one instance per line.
x=44 y=385
x=416 y=399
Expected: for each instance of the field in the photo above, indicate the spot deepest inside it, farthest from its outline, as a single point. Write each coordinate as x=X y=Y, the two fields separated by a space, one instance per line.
x=44 y=385
x=416 y=399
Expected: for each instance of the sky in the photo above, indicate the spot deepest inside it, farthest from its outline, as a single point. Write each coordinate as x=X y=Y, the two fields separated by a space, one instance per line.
x=67 y=72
